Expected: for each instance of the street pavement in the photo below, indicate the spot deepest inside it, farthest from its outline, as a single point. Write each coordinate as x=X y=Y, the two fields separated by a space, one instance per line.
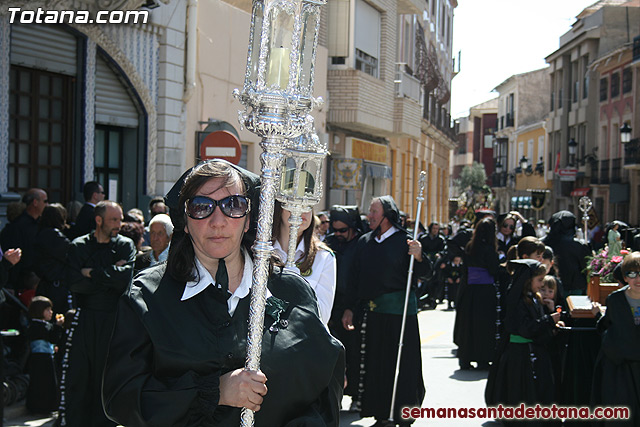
x=447 y=386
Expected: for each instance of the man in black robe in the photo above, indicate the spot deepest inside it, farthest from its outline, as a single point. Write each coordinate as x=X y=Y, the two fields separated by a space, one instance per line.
x=376 y=301
x=101 y=268
x=347 y=227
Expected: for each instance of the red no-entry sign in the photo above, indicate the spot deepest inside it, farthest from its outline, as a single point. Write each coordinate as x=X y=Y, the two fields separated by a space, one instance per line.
x=221 y=144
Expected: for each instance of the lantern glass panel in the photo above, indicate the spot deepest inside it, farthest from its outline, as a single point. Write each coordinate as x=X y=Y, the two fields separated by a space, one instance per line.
x=279 y=60
x=256 y=33
x=304 y=187
x=311 y=169
x=287 y=180
x=307 y=45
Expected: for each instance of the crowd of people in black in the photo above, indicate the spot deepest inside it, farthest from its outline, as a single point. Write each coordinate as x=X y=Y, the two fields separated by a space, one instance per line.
x=145 y=324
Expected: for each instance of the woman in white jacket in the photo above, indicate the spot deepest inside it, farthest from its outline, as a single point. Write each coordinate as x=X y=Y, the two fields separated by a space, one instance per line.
x=314 y=260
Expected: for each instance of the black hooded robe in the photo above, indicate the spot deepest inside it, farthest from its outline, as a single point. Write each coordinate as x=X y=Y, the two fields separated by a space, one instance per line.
x=616 y=378
x=166 y=357
x=523 y=372
x=380 y=272
x=570 y=253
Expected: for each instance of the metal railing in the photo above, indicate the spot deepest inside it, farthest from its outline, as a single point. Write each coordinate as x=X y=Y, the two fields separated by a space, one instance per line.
x=406 y=85
x=632 y=152
x=604 y=171
x=616 y=170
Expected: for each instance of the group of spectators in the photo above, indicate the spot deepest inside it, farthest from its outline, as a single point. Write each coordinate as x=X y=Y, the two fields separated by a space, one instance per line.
x=77 y=267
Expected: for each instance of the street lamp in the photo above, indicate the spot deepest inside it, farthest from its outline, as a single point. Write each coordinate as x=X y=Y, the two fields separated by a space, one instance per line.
x=625 y=133
x=573 y=145
x=498 y=167
x=524 y=162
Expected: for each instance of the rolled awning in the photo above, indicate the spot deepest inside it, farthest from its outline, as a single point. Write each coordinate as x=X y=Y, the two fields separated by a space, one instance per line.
x=579 y=192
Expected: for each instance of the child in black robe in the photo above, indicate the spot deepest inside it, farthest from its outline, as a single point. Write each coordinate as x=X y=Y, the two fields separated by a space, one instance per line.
x=42 y=394
x=524 y=373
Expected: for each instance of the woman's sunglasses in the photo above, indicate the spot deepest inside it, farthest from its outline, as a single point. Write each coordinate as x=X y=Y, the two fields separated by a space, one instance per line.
x=201 y=207
x=509 y=226
x=632 y=274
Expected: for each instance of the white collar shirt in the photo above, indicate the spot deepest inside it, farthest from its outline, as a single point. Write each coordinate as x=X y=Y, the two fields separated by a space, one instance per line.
x=193 y=288
x=161 y=258
x=386 y=234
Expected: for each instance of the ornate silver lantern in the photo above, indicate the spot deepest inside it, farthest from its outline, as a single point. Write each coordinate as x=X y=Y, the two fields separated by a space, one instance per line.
x=585 y=205
x=301 y=182
x=277 y=96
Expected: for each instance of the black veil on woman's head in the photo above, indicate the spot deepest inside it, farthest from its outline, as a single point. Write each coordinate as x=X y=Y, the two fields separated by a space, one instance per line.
x=181 y=254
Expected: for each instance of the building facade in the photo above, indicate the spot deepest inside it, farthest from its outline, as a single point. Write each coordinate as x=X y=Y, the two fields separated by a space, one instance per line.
x=522 y=106
x=588 y=105
x=390 y=67
x=92 y=101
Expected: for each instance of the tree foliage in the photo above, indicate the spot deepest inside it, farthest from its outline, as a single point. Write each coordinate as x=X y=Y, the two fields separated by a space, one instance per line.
x=472 y=178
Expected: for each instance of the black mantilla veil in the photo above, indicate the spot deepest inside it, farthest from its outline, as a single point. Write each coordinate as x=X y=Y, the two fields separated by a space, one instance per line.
x=523 y=270
x=178 y=216
x=391 y=212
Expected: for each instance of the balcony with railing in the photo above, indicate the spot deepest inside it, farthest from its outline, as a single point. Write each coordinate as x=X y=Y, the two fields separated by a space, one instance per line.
x=632 y=154
x=407 y=86
x=604 y=171
x=594 y=173
x=510 y=120
x=407 y=118
x=616 y=170
x=360 y=102
x=499 y=180
x=438 y=116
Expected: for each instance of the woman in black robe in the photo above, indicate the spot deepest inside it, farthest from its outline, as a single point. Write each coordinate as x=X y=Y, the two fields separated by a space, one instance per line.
x=178 y=349
x=616 y=379
x=476 y=323
x=523 y=372
x=51 y=247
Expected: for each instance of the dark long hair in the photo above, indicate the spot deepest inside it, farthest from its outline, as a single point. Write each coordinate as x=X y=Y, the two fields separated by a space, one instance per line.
x=53 y=216
x=484 y=234
x=527 y=293
x=181 y=262
x=311 y=242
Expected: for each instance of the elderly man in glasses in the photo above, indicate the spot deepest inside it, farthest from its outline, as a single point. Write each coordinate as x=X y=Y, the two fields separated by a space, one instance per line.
x=160 y=232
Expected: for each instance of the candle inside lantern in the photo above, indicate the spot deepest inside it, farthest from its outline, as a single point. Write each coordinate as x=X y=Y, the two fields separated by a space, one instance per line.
x=278 y=71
